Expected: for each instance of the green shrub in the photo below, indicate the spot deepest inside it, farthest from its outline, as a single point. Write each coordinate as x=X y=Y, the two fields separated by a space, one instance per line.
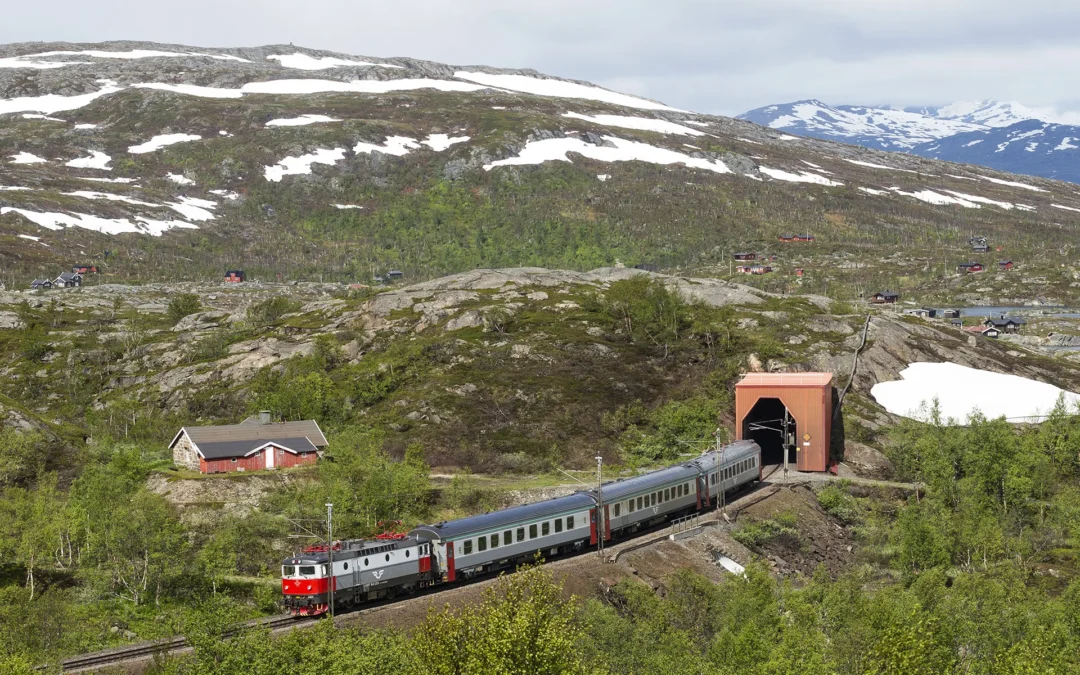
x=270 y=311
x=183 y=305
x=755 y=535
x=836 y=501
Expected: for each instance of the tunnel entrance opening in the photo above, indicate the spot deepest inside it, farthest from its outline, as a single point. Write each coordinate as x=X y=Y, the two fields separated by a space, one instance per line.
x=771 y=426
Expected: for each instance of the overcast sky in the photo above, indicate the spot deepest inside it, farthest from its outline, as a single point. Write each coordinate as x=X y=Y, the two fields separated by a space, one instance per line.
x=713 y=56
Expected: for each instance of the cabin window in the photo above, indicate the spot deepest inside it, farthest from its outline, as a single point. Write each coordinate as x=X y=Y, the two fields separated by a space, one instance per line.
x=639 y=504
x=569 y=522
x=545 y=528
x=481 y=543
x=288 y=571
x=495 y=541
x=234 y=460
x=468 y=547
x=532 y=531
x=521 y=534
x=558 y=524
x=508 y=538
x=617 y=510
x=309 y=570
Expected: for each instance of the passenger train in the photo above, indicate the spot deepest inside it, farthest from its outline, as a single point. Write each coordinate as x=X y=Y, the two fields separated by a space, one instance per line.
x=447 y=552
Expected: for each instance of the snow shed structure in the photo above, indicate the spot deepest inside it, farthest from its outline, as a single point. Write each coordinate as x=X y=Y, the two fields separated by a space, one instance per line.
x=787 y=412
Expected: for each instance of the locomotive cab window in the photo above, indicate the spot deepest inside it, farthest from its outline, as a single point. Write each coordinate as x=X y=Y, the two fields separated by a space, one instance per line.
x=288 y=571
x=309 y=570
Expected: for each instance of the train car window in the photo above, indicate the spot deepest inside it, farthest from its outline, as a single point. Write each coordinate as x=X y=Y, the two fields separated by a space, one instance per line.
x=630 y=505
x=307 y=569
x=655 y=498
x=545 y=528
x=494 y=541
x=406 y=555
x=532 y=531
x=521 y=534
x=569 y=522
x=639 y=504
x=468 y=547
x=387 y=557
x=481 y=543
x=288 y=571
x=558 y=524
x=347 y=564
x=618 y=510
x=508 y=538
x=667 y=494
x=366 y=562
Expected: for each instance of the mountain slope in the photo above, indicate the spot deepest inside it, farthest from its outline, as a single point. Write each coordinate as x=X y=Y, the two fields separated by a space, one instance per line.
x=167 y=162
x=984 y=113
x=878 y=128
x=1034 y=148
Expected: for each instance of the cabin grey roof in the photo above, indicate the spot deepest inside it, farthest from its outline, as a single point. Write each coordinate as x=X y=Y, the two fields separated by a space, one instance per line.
x=253 y=430
x=69 y=276
x=497 y=520
x=226 y=449
x=1005 y=321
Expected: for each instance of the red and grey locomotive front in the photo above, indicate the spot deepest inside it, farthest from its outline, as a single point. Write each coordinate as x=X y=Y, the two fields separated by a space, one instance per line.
x=364 y=569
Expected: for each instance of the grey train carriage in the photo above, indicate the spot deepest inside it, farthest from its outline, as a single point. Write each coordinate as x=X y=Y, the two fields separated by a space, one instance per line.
x=460 y=549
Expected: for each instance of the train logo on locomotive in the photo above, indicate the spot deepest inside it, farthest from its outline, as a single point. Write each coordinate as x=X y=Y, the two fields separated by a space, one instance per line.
x=451 y=551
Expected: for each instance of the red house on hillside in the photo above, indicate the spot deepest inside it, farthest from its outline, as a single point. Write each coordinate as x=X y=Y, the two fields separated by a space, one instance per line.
x=253 y=445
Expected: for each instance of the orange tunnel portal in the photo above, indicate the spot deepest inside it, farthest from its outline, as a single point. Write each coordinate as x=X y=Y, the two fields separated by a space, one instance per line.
x=801 y=403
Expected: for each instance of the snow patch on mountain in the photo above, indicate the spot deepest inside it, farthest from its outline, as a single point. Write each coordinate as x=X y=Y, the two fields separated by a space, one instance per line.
x=54 y=103
x=96 y=160
x=636 y=123
x=59 y=221
x=556 y=149
x=301 y=121
x=27 y=158
x=440 y=142
x=291 y=166
x=559 y=89
x=801 y=177
x=35 y=61
x=306 y=62
x=164 y=140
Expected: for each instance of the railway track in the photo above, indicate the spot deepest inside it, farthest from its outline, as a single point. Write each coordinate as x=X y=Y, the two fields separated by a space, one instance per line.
x=148 y=649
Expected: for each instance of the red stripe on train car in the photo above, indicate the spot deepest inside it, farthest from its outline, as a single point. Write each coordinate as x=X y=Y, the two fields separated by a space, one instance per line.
x=450 y=576
x=592 y=527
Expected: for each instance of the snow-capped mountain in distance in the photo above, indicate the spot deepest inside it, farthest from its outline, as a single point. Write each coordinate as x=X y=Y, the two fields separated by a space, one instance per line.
x=984 y=113
x=1029 y=147
x=1007 y=136
x=878 y=128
